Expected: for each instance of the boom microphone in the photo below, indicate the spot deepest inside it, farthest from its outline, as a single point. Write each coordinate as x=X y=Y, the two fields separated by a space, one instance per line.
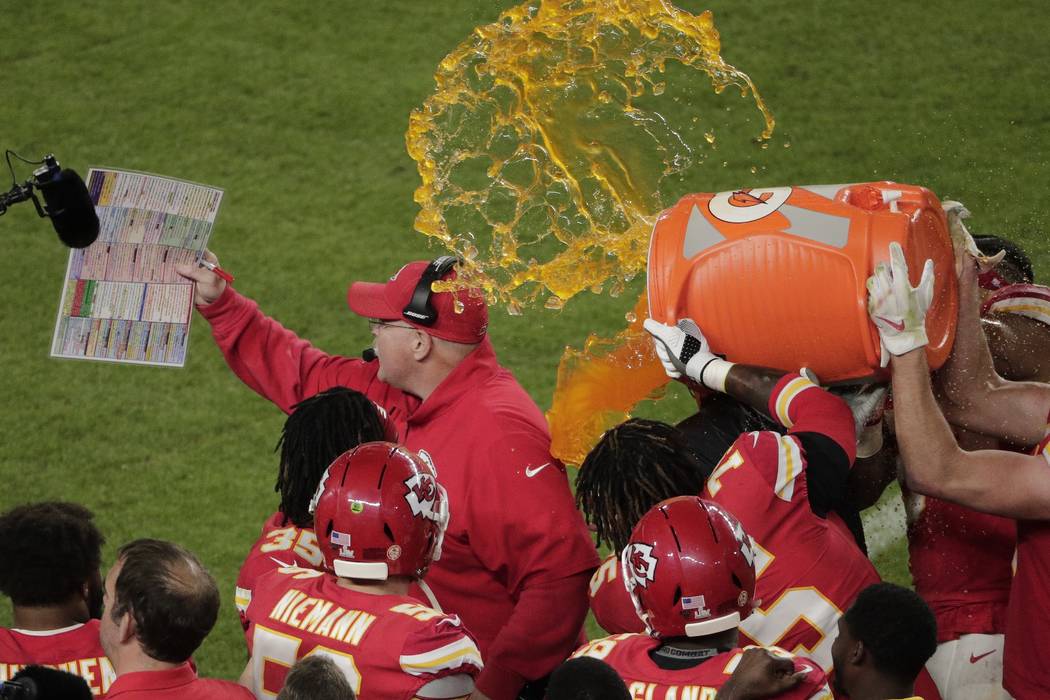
x=368 y=354
x=41 y=683
x=68 y=202
x=70 y=207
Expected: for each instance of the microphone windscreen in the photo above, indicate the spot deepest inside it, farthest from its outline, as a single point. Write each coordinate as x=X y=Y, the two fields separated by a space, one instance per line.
x=50 y=684
x=368 y=354
x=71 y=210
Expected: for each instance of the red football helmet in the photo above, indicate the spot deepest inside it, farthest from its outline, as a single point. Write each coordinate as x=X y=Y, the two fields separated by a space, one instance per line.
x=378 y=512
x=689 y=568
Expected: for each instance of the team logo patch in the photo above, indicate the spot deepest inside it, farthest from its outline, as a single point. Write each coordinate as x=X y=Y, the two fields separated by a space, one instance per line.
x=642 y=563
x=342 y=540
x=393 y=552
x=357 y=507
x=744 y=206
x=421 y=494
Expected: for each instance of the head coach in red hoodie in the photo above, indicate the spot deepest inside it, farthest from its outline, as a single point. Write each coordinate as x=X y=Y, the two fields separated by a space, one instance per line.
x=517 y=556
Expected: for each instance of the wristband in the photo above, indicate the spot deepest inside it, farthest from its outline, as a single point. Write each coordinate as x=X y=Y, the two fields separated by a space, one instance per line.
x=713 y=374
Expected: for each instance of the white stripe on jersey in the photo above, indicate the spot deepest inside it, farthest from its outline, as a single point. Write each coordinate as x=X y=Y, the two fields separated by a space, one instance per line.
x=460 y=652
x=789 y=466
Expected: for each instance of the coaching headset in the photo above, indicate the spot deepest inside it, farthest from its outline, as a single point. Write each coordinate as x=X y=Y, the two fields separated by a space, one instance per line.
x=419 y=309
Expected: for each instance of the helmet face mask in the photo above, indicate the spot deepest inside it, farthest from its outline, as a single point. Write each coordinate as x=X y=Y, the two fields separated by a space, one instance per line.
x=379 y=511
x=689 y=568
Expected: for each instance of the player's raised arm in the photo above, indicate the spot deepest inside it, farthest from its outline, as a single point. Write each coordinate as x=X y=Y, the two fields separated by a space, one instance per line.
x=993 y=481
x=822 y=423
x=975 y=396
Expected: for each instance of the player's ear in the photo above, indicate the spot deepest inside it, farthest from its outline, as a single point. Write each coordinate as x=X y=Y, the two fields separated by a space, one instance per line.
x=857 y=653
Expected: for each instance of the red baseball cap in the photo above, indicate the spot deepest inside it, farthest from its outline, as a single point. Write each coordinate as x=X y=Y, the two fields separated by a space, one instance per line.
x=387 y=301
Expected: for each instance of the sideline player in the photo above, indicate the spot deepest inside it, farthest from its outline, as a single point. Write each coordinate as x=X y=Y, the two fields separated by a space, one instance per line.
x=381 y=517
x=518 y=555
x=318 y=430
x=809 y=566
x=49 y=568
x=883 y=643
x=993 y=481
x=691 y=574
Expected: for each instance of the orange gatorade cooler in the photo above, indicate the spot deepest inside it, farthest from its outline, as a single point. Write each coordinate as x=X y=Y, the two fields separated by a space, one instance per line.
x=776 y=276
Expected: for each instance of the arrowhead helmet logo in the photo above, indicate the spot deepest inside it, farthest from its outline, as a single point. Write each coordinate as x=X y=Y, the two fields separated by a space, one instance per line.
x=642 y=563
x=421 y=494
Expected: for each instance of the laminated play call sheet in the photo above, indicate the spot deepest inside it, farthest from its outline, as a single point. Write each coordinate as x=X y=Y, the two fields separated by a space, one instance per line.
x=122 y=300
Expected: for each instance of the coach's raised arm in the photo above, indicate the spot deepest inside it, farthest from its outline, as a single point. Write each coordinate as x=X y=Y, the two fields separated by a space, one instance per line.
x=517 y=556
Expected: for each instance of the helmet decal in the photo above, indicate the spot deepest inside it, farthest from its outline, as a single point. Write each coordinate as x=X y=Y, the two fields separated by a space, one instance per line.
x=642 y=563
x=695 y=605
x=320 y=490
x=421 y=494
x=342 y=541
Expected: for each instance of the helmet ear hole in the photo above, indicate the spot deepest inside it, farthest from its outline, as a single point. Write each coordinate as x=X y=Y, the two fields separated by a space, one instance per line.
x=677 y=594
x=737 y=582
x=329 y=528
x=388 y=532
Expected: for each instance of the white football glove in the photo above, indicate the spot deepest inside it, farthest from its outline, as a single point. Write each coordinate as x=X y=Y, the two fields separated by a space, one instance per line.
x=896 y=308
x=683 y=350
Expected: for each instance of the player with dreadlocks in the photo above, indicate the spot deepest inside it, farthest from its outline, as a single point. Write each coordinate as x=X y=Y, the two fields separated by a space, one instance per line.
x=782 y=488
x=318 y=430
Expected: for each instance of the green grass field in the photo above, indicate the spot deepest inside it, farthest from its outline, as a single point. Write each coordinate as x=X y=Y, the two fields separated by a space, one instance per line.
x=298 y=110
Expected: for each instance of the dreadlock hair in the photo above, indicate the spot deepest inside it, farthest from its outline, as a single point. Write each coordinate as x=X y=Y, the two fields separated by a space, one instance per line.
x=1016 y=267
x=633 y=467
x=49 y=551
x=320 y=429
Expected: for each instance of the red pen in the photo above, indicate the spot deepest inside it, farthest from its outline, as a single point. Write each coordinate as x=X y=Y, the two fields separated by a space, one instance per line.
x=217 y=270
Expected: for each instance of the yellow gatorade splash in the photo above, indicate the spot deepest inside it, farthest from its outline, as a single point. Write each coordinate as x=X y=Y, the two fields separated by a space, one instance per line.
x=541 y=154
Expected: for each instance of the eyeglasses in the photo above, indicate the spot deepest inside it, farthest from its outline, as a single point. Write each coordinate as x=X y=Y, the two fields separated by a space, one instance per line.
x=375 y=323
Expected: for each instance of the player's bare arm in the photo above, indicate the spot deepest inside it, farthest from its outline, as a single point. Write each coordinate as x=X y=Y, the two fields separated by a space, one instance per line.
x=974 y=396
x=1003 y=483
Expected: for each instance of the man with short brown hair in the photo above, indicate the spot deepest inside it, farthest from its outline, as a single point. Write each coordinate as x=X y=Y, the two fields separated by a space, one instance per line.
x=160 y=605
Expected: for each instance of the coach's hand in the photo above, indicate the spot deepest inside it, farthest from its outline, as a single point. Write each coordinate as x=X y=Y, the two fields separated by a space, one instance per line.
x=209 y=286
x=684 y=351
x=896 y=308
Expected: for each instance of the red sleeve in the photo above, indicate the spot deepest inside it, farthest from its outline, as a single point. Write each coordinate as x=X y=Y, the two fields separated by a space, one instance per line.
x=544 y=629
x=440 y=647
x=279 y=365
x=803 y=407
x=610 y=601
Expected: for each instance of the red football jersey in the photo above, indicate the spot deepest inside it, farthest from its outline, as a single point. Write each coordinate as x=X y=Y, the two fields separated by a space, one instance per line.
x=628 y=655
x=610 y=602
x=388 y=646
x=1026 y=656
x=961 y=562
x=809 y=568
x=73 y=649
x=278 y=545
